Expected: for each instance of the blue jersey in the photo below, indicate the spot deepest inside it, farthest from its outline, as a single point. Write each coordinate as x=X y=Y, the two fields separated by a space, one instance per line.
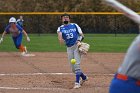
x=70 y=33
x=20 y=22
x=14 y=31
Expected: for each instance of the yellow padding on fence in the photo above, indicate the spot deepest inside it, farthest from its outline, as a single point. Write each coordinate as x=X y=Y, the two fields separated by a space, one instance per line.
x=59 y=13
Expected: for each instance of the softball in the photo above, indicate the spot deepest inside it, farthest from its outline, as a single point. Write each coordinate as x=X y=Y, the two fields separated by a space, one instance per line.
x=73 y=61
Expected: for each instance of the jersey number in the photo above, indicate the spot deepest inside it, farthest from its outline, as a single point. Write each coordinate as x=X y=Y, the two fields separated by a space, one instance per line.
x=70 y=35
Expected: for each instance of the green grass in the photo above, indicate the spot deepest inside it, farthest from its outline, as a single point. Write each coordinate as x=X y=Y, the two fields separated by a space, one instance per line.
x=109 y=43
x=49 y=43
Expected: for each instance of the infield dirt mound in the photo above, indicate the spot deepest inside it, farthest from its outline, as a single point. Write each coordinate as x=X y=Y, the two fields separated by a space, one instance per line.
x=99 y=67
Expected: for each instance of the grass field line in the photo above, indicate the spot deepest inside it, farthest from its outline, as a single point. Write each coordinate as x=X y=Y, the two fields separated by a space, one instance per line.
x=31 y=88
x=34 y=74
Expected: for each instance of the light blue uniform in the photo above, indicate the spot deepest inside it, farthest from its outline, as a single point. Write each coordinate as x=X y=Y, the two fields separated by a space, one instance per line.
x=70 y=34
x=130 y=68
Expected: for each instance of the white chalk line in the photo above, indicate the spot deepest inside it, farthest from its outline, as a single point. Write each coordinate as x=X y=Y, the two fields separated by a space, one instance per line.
x=34 y=74
x=26 y=88
x=40 y=88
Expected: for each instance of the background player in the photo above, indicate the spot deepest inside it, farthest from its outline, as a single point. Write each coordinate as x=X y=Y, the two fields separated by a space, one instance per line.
x=72 y=35
x=16 y=32
x=20 y=21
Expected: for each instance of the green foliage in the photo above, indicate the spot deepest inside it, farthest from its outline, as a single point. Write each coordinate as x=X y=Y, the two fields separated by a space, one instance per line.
x=89 y=23
x=61 y=5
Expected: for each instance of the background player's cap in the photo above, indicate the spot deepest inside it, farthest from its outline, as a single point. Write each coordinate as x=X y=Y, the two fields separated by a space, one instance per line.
x=65 y=15
x=12 y=19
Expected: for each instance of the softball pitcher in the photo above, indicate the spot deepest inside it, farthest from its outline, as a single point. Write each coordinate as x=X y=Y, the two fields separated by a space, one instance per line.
x=72 y=35
x=16 y=32
x=127 y=79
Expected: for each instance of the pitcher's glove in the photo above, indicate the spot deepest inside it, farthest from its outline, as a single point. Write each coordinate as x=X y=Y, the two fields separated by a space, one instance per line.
x=83 y=47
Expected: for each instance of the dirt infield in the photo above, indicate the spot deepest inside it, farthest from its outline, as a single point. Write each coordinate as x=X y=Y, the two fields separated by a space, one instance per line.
x=50 y=72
